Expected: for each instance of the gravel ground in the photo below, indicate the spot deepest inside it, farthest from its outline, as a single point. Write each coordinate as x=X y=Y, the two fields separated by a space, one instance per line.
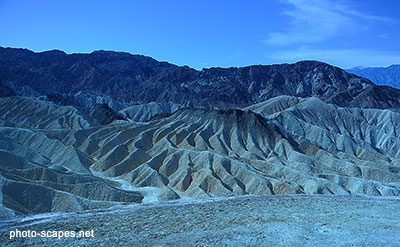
x=295 y=220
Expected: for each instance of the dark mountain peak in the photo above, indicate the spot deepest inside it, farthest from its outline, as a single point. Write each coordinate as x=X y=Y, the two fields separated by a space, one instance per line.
x=54 y=52
x=310 y=64
x=15 y=50
x=141 y=79
x=108 y=52
x=307 y=66
x=394 y=66
x=105 y=54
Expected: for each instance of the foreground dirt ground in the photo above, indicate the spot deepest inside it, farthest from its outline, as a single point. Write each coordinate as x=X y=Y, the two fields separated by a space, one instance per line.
x=294 y=220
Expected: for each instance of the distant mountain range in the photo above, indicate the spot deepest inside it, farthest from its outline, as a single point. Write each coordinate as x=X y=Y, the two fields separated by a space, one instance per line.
x=138 y=79
x=389 y=76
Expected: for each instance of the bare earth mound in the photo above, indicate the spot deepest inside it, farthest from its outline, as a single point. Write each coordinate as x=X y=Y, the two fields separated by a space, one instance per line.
x=72 y=161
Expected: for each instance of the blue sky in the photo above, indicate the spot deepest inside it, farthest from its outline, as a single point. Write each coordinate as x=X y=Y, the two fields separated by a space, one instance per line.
x=345 y=33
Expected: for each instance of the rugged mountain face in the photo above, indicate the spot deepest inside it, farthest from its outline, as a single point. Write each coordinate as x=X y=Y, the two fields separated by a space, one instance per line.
x=389 y=76
x=139 y=79
x=79 y=131
x=6 y=91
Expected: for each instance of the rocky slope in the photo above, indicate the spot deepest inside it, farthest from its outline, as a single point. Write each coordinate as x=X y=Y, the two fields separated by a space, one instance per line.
x=138 y=79
x=285 y=145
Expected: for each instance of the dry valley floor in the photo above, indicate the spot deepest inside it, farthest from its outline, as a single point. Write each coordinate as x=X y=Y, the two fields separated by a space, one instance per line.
x=281 y=220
